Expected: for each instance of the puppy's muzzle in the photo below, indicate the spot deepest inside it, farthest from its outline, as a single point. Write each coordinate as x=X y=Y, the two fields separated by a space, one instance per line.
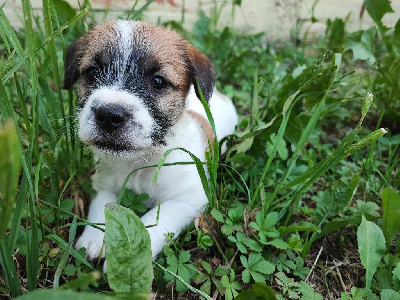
x=111 y=117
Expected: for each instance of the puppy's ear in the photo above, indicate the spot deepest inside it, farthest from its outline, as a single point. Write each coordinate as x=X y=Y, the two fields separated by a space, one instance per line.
x=202 y=72
x=72 y=62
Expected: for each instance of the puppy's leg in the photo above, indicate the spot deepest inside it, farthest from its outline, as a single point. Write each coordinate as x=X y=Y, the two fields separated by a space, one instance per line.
x=92 y=238
x=174 y=215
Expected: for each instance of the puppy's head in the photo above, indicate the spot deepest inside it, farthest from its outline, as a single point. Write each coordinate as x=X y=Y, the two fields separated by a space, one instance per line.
x=132 y=81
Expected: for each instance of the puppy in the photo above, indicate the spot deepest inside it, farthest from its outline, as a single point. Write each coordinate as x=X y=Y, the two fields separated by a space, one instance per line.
x=137 y=87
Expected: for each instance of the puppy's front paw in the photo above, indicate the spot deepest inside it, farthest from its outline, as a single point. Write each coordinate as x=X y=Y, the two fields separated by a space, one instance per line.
x=92 y=239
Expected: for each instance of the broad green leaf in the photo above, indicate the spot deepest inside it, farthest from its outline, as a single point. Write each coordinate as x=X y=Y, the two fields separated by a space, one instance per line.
x=68 y=295
x=266 y=225
x=391 y=213
x=362 y=44
x=181 y=267
x=204 y=240
x=217 y=215
x=206 y=266
x=129 y=260
x=258 y=291
x=82 y=281
x=245 y=145
x=334 y=200
x=241 y=247
x=396 y=34
x=299 y=226
x=10 y=167
x=184 y=256
x=388 y=294
x=280 y=147
x=256 y=266
x=377 y=9
x=295 y=243
x=220 y=271
x=396 y=277
x=64 y=11
x=308 y=292
x=371 y=247
x=231 y=286
x=206 y=287
x=385 y=278
x=278 y=243
x=362 y=293
x=335 y=33
x=248 y=242
x=367 y=208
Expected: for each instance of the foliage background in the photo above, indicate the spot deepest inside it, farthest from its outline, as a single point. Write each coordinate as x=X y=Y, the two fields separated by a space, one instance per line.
x=305 y=201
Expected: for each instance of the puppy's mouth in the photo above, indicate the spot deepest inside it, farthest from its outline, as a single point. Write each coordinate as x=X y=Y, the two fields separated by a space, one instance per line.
x=108 y=146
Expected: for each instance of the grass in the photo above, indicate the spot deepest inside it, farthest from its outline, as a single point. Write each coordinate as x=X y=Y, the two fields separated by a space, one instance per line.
x=308 y=182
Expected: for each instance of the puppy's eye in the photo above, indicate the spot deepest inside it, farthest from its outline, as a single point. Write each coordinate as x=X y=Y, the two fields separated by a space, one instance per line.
x=158 y=82
x=92 y=74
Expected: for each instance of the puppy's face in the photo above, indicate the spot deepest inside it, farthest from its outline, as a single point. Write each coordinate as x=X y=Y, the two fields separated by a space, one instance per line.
x=132 y=82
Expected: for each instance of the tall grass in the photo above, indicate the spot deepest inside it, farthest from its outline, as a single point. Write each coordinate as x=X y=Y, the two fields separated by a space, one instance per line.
x=32 y=98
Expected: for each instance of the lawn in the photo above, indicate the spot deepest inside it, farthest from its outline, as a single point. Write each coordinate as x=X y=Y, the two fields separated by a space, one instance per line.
x=304 y=204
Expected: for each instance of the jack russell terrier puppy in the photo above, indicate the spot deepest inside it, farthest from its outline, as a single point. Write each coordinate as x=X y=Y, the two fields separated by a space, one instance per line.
x=137 y=89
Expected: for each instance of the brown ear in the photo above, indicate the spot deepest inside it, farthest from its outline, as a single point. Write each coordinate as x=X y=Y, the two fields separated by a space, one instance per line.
x=202 y=72
x=72 y=62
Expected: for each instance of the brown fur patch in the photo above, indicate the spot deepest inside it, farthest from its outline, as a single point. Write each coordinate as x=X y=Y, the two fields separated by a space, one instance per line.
x=100 y=39
x=202 y=71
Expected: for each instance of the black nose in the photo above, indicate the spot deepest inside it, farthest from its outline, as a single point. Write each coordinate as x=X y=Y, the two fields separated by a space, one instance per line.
x=110 y=117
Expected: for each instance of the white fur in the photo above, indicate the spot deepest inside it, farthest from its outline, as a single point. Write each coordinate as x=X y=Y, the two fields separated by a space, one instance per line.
x=125 y=39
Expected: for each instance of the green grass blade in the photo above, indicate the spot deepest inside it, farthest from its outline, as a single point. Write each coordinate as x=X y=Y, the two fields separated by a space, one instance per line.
x=19 y=209
x=202 y=294
x=199 y=167
x=64 y=258
x=287 y=108
x=311 y=123
x=7 y=264
x=52 y=49
x=22 y=104
x=345 y=149
x=54 y=63
x=33 y=76
x=141 y=10
x=212 y=162
x=316 y=169
x=65 y=246
x=25 y=57
x=32 y=241
x=60 y=197
x=7 y=29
